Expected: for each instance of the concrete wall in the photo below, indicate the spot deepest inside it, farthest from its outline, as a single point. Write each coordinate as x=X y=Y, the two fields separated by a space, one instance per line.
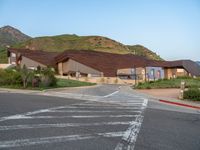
x=175 y=72
x=74 y=66
x=4 y=66
x=30 y=63
x=12 y=58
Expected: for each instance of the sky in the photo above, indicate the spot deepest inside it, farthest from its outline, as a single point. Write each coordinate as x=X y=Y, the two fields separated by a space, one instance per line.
x=171 y=28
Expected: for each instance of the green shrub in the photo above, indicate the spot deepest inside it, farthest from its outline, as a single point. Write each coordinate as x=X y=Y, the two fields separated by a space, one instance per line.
x=47 y=78
x=192 y=94
x=9 y=77
x=184 y=77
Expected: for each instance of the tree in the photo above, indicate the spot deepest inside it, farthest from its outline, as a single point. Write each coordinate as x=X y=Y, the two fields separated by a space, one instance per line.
x=24 y=72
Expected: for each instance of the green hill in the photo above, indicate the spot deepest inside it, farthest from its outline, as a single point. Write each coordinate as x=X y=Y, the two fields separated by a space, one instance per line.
x=10 y=36
x=143 y=51
x=73 y=42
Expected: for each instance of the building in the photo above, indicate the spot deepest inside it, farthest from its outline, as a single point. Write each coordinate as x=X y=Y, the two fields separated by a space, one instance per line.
x=173 y=69
x=32 y=59
x=100 y=64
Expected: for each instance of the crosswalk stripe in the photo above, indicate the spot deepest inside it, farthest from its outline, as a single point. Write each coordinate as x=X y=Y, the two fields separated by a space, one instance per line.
x=57 y=139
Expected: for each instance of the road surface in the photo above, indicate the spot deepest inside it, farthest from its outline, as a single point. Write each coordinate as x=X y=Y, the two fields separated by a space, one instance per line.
x=99 y=118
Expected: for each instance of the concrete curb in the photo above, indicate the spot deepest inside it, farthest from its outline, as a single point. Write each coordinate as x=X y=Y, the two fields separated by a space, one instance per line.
x=41 y=91
x=180 y=104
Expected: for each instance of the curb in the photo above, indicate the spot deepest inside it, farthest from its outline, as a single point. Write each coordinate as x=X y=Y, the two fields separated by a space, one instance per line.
x=180 y=104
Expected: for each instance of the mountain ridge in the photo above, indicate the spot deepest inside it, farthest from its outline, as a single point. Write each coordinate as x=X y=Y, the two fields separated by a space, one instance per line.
x=10 y=36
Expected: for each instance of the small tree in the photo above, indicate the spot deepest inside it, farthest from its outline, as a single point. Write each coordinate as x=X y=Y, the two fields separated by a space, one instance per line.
x=24 y=75
x=47 y=77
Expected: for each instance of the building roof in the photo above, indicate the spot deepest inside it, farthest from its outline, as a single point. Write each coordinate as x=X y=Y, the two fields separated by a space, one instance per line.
x=190 y=66
x=107 y=63
x=43 y=57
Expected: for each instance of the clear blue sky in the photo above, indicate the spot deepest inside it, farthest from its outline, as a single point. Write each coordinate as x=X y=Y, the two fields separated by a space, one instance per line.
x=171 y=28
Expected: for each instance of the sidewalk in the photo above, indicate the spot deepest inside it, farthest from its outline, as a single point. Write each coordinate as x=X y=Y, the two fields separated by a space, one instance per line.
x=169 y=96
x=25 y=91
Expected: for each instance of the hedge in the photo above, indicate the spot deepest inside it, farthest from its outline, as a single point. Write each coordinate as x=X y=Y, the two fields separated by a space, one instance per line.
x=192 y=94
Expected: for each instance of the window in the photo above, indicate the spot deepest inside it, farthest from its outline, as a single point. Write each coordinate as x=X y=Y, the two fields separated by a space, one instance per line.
x=13 y=55
x=152 y=72
x=159 y=74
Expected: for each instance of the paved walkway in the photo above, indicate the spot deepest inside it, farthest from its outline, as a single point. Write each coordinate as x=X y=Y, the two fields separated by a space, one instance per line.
x=170 y=95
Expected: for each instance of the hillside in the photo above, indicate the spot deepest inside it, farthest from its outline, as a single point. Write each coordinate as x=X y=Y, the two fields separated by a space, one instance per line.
x=8 y=37
x=74 y=42
x=66 y=42
x=143 y=51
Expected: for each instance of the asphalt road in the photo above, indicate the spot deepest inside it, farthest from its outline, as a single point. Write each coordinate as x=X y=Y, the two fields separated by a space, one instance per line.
x=111 y=118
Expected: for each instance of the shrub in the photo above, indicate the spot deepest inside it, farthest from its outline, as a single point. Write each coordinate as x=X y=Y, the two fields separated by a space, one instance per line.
x=9 y=77
x=47 y=78
x=192 y=94
x=184 y=77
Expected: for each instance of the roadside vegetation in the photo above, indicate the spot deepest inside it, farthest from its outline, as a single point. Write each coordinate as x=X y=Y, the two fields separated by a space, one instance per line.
x=3 y=56
x=170 y=83
x=192 y=86
x=40 y=79
x=192 y=94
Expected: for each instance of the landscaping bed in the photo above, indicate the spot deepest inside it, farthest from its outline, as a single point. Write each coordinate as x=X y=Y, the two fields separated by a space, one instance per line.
x=170 y=83
x=192 y=84
x=22 y=78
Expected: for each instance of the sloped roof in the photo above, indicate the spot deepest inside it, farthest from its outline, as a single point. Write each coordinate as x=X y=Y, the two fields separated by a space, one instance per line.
x=107 y=63
x=190 y=66
x=43 y=57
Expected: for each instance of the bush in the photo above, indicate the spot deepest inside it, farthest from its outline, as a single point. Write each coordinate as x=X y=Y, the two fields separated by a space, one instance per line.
x=184 y=77
x=192 y=94
x=10 y=77
x=47 y=78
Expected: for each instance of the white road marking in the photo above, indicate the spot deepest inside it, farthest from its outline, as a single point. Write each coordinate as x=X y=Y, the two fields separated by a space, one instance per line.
x=60 y=125
x=124 y=107
x=111 y=94
x=74 y=116
x=88 y=111
x=116 y=102
x=57 y=139
x=17 y=116
x=130 y=136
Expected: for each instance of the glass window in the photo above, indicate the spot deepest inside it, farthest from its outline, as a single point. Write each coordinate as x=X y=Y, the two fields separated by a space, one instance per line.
x=13 y=55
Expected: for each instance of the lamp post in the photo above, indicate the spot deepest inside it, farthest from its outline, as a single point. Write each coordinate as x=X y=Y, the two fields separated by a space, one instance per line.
x=135 y=75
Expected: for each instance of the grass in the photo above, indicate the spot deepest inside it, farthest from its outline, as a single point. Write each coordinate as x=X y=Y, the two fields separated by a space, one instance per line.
x=72 y=83
x=3 y=56
x=61 y=83
x=171 y=83
x=61 y=43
